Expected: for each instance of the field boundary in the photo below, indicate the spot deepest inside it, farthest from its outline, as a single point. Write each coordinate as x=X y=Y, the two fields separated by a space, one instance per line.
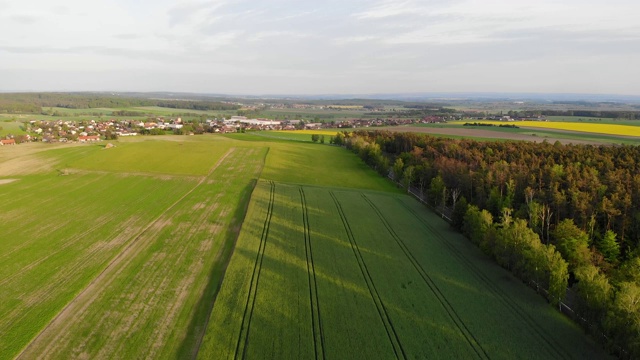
x=382 y=311
x=449 y=309
x=316 y=319
x=226 y=254
x=118 y=258
x=243 y=337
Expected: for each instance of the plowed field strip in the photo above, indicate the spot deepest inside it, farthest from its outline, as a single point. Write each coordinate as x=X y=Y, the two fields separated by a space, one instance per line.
x=243 y=337
x=449 y=309
x=131 y=249
x=316 y=320
x=382 y=311
x=499 y=293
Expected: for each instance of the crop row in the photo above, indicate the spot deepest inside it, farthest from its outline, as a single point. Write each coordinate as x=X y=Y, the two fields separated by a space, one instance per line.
x=327 y=273
x=51 y=251
x=144 y=303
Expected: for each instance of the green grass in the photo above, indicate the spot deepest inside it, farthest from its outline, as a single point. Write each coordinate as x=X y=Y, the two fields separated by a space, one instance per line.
x=313 y=114
x=59 y=233
x=140 y=236
x=337 y=273
x=145 y=306
x=163 y=111
x=11 y=127
x=179 y=155
x=315 y=164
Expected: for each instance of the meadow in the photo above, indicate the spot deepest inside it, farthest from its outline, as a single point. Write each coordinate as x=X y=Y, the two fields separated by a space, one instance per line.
x=244 y=246
x=11 y=127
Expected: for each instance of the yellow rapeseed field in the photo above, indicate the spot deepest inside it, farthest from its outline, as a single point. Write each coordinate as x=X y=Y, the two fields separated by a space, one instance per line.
x=607 y=129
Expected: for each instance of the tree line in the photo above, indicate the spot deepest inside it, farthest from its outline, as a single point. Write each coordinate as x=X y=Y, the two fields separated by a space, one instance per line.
x=612 y=114
x=558 y=216
x=34 y=102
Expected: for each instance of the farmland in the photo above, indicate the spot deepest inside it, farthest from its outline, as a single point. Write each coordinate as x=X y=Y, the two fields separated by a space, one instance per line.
x=333 y=273
x=123 y=250
x=533 y=134
x=11 y=127
x=586 y=127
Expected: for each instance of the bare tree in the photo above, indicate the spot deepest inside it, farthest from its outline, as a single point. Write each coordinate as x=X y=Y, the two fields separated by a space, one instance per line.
x=455 y=194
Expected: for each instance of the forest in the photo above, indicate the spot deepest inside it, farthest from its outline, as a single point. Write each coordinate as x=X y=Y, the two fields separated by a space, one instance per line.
x=34 y=102
x=564 y=218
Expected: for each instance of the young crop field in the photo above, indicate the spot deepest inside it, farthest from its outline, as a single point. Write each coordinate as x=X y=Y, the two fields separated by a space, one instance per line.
x=141 y=306
x=328 y=273
x=311 y=114
x=315 y=164
x=160 y=155
x=122 y=252
x=58 y=233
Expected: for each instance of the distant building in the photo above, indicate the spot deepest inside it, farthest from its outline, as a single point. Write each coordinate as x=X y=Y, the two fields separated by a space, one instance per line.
x=89 y=138
x=259 y=122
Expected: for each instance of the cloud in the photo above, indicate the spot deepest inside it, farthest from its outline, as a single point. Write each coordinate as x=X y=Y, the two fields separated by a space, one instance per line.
x=24 y=19
x=388 y=9
x=60 y=10
x=304 y=44
x=127 y=36
x=191 y=12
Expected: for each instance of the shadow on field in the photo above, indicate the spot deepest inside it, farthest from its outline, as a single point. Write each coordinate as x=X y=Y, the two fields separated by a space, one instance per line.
x=195 y=332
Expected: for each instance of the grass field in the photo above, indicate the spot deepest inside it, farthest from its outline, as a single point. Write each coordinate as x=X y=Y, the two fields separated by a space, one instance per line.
x=11 y=127
x=315 y=164
x=311 y=114
x=99 y=235
x=58 y=235
x=142 y=308
x=157 y=154
x=332 y=273
x=121 y=252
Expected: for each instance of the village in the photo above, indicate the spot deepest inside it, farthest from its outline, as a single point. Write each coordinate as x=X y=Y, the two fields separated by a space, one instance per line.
x=72 y=131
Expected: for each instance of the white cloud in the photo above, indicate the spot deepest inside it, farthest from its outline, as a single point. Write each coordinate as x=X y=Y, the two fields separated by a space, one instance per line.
x=311 y=46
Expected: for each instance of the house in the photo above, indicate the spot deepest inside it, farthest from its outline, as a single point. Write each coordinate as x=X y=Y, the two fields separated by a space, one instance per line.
x=313 y=126
x=7 y=142
x=90 y=138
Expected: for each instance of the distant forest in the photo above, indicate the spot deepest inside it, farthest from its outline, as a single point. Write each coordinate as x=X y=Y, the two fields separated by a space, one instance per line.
x=559 y=216
x=32 y=103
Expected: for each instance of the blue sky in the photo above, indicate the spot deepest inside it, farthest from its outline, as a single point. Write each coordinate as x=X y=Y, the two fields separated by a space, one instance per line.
x=320 y=47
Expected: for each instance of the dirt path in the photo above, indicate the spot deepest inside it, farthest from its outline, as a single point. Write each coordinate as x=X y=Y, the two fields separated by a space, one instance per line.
x=46 y=338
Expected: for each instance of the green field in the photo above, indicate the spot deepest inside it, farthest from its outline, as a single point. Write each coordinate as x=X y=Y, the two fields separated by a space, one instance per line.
x=121 y=252
x=68 y=114
x=313 y=114
x=333 y=273
x=11 y=127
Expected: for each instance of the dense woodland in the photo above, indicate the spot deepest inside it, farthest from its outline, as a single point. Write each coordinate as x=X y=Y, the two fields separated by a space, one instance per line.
x=558 y=216
x=35 y=102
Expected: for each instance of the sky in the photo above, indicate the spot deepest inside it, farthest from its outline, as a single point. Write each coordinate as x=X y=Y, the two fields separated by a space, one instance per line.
x=263 y=47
